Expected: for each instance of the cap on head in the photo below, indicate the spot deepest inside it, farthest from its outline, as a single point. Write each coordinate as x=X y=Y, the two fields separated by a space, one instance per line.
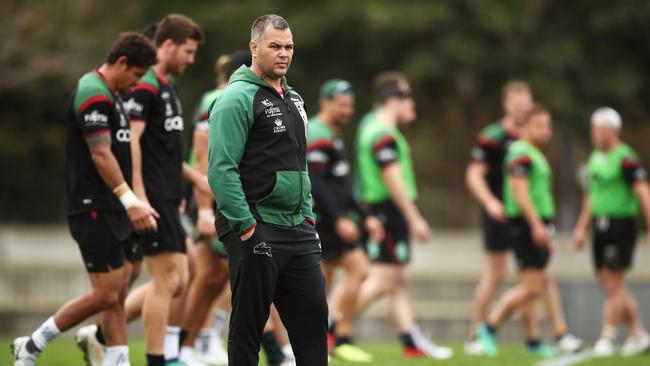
x=607 y=117
x=334 y=87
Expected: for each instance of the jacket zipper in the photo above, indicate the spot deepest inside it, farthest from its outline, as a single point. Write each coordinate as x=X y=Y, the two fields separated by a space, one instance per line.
x=295 y=143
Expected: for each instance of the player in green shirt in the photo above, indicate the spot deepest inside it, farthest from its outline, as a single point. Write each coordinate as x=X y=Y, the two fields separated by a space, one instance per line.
x=529 y=209
x=386 y=184
x=617 y=188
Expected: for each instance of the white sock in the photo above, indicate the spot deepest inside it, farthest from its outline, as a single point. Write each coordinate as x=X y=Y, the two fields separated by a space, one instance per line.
x=202 y=342
x=288 y=351
x=45 y=333
x=186 y=354
x=116 y=356
x=220 y=319
x=172 y=338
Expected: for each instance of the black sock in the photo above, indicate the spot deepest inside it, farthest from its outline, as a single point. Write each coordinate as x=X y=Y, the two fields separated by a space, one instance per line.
x=155 y=360
x=99 y=335
x=274 y=355
x=182 y=336
x=31 y=346
x=343 y=340
x=491 y=328
x=332 y=327
x=533 y=342
x=407 y=340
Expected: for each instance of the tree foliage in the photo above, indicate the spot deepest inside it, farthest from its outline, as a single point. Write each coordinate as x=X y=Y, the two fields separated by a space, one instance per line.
x=457 y=53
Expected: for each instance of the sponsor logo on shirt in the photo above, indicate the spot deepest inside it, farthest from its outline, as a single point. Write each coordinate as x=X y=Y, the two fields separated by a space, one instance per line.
x=96 y=119
x=267 y=103
x=387 y=154
x=279 y=127
x=123 y=135
x=174 y=123
x=272 y=111
x=131 y=106
x=341 y=169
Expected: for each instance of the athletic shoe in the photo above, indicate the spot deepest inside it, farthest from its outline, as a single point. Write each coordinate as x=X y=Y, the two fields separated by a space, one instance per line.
x=19 y=352
x=88 y=344
x=351 y=353
x=428 y=347
x=636 y=345
x=212 y=351
x=474 y=348
x=189 y=358
x=569 y=343
x=175 y=363
x=541 y=350
x=411 y=352
x=604 y=348
x=487 y=340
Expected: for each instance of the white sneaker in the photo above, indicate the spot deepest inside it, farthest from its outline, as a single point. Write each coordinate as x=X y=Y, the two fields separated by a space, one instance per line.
x=428 y=347
x=604 y=348
x=20 y=354
x=289 y=357
x=474 y=348
x=190 y=360
x=636 y=345
x=569 y=343
x=214 y=353
x=86 y=341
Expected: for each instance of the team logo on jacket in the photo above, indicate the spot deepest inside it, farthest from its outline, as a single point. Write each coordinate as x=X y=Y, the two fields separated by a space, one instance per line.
x=263 y=249
x=279 y=127
x=267 y=103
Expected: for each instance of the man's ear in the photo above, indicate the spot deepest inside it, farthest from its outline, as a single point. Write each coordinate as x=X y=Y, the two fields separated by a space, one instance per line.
x=253 y=48
x=122 y=62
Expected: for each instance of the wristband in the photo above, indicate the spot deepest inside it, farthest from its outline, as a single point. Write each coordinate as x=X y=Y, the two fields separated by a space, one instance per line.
x=128 y=199
x=121 y=189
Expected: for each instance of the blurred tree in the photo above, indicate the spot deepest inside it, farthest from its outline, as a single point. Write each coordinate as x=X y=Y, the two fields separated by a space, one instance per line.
x=457 y=53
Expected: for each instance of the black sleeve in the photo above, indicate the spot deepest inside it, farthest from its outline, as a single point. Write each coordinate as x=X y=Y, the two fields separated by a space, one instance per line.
x=633 y=171
x=520 y=167
x=385 y=151
x=140 y=103
x=486 y=150
x=93 y=119
x=319 y=158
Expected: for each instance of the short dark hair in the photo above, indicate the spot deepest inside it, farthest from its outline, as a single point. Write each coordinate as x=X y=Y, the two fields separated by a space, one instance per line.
x=535 y=110
x=149 y=30
x=178 y=28
x=388 y=84
x=236 y=60
x=136 y=47
x=259 y=25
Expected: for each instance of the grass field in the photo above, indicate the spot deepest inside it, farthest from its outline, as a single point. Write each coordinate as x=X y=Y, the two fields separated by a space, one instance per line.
x=64 y=353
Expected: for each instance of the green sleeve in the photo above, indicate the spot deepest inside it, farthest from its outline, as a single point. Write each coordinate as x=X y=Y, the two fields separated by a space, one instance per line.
x=307 y=205
x=231 y=119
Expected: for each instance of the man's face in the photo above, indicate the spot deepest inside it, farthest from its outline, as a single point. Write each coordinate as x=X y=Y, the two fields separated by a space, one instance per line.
x=517 y=103
x=540 y=129
x=405 y=106
x=273 y=52
x=181 y=55
x=602 y=136
x=341 y=108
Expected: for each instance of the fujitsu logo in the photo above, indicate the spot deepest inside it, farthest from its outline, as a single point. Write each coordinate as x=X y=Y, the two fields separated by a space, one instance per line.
x=96 y=118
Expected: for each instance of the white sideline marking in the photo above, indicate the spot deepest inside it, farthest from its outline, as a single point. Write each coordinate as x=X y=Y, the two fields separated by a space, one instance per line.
x=568 y=360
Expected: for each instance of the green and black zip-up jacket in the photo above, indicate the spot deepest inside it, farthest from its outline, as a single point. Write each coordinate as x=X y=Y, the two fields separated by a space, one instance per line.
x=257 y=165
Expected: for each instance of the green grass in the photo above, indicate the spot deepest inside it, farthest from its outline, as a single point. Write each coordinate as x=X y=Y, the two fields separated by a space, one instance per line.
x=63 y=352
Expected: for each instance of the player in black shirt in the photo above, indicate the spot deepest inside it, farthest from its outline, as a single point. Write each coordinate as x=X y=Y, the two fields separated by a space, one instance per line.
x=340 y=217
x=158 y=170
x=484 y=179
x=102 y=210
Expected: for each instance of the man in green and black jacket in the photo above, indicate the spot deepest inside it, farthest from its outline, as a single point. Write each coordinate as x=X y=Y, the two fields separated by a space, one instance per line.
x=258 y=172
